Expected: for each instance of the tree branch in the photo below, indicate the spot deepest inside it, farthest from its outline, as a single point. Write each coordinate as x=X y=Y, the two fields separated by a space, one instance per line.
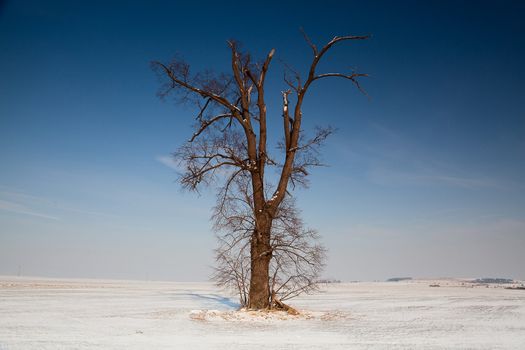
x=219 y=99
x=206 y=123
x=352 y=77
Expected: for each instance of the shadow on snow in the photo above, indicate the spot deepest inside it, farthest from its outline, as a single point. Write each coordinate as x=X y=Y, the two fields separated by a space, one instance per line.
x=215 y=299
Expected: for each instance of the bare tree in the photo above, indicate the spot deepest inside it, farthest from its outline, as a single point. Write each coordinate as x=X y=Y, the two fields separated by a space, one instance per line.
x=230 y=140
x=298 y=257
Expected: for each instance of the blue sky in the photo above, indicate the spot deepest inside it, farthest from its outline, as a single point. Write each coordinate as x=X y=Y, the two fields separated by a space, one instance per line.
x=425 y=177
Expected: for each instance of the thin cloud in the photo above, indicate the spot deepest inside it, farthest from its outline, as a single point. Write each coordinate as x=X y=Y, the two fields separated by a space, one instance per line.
x=168 y=161
x=387 y=176
x=29 y=201
x=22 y=209
x=389 y=157
x=467 y=182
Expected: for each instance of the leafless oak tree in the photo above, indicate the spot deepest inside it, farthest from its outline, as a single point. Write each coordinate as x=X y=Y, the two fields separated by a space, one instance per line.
x=230 y=142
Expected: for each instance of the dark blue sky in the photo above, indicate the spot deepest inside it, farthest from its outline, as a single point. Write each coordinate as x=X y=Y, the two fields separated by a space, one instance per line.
x=430 y=166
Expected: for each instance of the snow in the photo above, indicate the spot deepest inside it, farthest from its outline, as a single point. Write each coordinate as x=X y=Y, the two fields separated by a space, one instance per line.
x=102 y=314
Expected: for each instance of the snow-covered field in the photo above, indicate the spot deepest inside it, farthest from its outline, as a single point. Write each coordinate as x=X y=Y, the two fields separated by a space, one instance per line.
x=88 y=314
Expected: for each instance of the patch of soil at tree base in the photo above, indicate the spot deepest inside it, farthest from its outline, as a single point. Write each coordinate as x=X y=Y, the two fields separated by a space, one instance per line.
x=245 y=315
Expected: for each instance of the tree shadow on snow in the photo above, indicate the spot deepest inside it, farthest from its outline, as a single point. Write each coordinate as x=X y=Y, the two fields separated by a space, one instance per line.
x=215 y=298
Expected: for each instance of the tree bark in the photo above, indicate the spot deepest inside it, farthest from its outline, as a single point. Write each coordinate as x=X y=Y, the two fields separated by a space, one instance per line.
x=261 y=254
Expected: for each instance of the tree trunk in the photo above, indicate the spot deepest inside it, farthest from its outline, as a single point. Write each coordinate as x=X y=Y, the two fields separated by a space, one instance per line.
x=261 y=254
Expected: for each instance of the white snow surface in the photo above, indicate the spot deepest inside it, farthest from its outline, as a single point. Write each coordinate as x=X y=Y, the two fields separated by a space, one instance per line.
x=97 y=314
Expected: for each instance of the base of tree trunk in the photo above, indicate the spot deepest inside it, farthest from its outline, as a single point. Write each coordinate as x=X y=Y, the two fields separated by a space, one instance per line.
x=279 y=305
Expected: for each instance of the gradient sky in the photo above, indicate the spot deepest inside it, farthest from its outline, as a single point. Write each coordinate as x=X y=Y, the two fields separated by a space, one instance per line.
x=426 y=177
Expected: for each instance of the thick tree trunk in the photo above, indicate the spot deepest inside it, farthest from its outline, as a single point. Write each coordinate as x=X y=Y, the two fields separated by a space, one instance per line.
x=261 y=254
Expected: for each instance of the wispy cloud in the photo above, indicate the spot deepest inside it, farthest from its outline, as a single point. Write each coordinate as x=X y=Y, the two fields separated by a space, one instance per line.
x=428 y=176
x=18 y=208
x=26 y=204
x=168 y=161
x=469 y=182
x=390 y=158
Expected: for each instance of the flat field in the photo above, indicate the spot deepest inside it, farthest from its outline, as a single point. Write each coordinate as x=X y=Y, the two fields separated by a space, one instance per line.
x=102 y=314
